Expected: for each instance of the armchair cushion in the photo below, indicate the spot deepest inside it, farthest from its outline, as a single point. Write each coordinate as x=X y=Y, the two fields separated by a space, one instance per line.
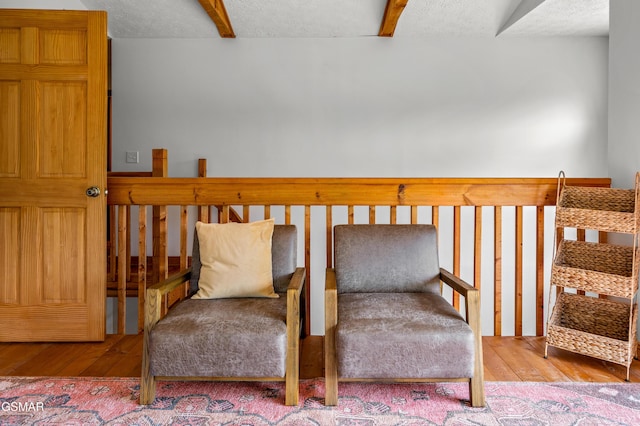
x=235 y=259
x=244 y=337
x=402 y=335
x=386 y=258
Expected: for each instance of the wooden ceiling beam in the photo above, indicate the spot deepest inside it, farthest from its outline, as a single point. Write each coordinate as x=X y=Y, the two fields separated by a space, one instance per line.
x=218 y=14
x=391 y=15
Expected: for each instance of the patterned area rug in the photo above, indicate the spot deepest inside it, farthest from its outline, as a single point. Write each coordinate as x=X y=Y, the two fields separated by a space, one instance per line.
x=109 y=401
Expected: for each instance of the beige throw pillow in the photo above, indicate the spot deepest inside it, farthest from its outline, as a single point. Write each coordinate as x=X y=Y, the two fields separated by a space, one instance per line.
x=236 y=260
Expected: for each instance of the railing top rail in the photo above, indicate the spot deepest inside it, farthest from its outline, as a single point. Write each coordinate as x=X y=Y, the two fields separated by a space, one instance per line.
x=340 y=191
x=129 y=174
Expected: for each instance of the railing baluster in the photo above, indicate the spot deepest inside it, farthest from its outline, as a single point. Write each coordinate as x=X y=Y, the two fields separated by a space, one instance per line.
x=224 y=214
x=329 y=235
x=307 y=264
x=128 y=237
x=456 y=250
x=518 y=271
x=497 y=274
x=160 y=254
x=122 y=265
x=477 y=247
x=142 y=263
x=113 y=244
x=540 y=270
x=203 y=214
x=435 y=216
x=184 y=223
x=602 y=236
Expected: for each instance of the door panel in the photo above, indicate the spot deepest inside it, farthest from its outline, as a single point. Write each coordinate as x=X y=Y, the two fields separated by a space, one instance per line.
x=62 y=47
x=9 y=254
x=63 y=255
x=53 y=97
x=9 y=128
x=64 y=119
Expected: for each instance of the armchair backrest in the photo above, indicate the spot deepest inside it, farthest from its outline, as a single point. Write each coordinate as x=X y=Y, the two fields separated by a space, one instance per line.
x=284 y=251
x=386 y=258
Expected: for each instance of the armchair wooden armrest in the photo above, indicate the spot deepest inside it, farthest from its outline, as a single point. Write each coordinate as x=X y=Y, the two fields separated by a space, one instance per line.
x=472 y=306
x=293 y=335
x=295 y=299
x=155 y=293
x=471 y=297
x=171 y=283
x=456 y=283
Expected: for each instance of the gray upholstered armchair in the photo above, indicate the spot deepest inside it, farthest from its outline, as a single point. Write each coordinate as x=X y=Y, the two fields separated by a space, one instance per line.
x=385 y=317
x=227 y=338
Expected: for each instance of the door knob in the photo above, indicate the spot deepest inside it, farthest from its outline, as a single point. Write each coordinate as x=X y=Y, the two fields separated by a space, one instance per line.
x=93 y=191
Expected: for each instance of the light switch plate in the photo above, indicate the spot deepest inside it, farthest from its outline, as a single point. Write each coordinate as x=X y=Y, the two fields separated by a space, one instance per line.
x=132 y=157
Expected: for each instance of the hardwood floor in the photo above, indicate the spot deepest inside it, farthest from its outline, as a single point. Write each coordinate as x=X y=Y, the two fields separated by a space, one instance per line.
x=505 y=359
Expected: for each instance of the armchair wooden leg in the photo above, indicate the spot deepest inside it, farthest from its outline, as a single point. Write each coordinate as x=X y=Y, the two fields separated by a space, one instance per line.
x=147 y=389
x=331 y=391
x=291 y=391
x=476 y=384
x=292 y=373
x=476 y=392
x=330 y=372
x=147 y=380
x=330 y=367
x=292 y=381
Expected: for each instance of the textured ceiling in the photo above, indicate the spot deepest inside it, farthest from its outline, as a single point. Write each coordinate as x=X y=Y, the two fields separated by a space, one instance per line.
x=357 y=18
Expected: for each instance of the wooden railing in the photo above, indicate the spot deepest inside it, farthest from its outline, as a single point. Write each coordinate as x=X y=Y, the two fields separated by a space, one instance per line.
x=508 y=215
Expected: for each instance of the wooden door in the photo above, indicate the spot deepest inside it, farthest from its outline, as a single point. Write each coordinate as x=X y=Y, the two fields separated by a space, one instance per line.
x=53 y=90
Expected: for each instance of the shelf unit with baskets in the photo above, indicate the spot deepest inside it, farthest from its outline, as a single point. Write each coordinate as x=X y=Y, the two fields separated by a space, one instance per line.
x=598 y=316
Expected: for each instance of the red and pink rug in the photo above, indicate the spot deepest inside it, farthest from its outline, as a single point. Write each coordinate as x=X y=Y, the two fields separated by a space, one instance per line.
x=109 y=401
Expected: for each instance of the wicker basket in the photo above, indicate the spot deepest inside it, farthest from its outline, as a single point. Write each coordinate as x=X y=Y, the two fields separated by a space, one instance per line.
x=594 y=327
x=604 y=209
x=596 y=267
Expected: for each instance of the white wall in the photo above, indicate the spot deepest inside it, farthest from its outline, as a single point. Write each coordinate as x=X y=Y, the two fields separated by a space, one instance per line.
x=624 y=97
x=624 y=92
x=363 y=106
x=42 y=4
